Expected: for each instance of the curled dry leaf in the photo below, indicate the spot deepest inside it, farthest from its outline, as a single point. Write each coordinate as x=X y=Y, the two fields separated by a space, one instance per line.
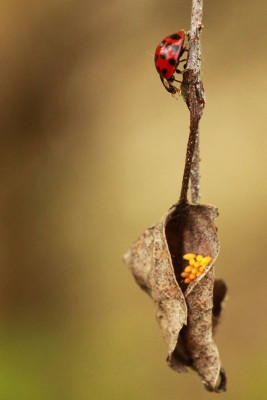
x=187 y=314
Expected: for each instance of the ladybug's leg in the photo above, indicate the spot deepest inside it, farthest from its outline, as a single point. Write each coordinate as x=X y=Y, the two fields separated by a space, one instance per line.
x=171 y=89
x=179 y=71
x=172 y=79
x=184 y=66
x=181 y=61
x=183 y=50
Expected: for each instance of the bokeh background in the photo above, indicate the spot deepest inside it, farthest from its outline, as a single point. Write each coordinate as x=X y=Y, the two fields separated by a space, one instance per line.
x=89 y=138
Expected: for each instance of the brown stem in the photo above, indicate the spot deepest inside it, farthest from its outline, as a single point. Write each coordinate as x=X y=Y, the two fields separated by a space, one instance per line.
x=194 y=174
x=193 y=94
x=191 y=147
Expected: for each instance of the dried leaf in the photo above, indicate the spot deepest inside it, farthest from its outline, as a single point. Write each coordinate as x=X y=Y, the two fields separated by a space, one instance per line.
x=186 y=313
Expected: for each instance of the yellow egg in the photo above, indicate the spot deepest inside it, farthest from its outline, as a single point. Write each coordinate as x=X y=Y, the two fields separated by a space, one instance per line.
x=199 y=257
x=187 y=280
x=192 y=276
x=196 y=264
x=184 y=274
x=188 y=269
x=194 y=270
x=206 y=260
x=189 y=256
x=192 y=261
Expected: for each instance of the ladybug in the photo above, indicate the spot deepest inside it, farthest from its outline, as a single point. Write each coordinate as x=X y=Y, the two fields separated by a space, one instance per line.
x=167 y=58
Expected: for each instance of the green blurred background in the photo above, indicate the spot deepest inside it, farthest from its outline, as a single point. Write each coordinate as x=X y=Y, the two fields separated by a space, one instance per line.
x=88 y=137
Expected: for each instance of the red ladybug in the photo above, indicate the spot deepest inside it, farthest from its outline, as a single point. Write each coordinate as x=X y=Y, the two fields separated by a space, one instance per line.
x=167 y=58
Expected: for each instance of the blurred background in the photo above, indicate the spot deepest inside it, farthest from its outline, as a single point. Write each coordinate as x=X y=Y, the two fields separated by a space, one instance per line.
x=88 y=135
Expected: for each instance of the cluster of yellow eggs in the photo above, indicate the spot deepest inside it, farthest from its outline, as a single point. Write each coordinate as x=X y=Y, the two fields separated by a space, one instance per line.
x=196 y=266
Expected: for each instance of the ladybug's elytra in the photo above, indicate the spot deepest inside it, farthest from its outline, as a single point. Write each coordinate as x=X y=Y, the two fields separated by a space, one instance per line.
x=167 y=58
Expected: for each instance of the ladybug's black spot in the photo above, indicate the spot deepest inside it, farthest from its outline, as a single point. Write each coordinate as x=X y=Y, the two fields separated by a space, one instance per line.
x=175 y=48
x=156 y=58
x=168 y=46
x=164 y=71
x=162 y=43
x=175 y=36
x=163 y=55
x=172 y=61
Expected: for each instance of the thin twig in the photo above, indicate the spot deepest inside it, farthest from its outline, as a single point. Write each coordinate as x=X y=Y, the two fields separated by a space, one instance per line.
x=193 y=94
x=194 y=174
